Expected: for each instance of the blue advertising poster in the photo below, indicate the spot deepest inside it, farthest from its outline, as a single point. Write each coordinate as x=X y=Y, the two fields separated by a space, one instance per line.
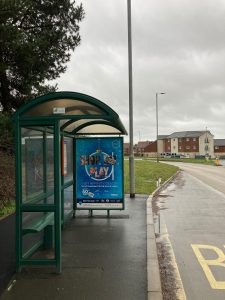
x=99 y=173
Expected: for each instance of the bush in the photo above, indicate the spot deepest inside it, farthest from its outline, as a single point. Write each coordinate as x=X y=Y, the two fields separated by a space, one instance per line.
x=6 y=133
x=7 y=180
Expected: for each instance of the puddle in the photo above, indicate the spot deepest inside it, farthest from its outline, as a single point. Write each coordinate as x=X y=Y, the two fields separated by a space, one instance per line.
x=164 y=196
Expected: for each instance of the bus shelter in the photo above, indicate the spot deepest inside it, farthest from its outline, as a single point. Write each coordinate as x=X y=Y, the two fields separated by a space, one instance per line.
x=45 y=128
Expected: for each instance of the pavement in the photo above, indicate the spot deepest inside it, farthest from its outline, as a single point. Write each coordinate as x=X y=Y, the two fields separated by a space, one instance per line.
x=7 y=250
x=102 y=259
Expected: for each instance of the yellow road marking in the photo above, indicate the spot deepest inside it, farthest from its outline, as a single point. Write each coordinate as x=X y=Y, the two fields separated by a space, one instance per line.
x=205 y=263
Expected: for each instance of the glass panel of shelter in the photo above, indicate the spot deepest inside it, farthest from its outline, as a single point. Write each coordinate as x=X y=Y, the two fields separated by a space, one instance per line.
x=37 y=164
x=71 y=126
x=37 y=168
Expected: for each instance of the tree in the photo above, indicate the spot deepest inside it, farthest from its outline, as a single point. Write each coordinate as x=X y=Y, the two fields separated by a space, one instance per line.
x=6 y=132
x=37 y=38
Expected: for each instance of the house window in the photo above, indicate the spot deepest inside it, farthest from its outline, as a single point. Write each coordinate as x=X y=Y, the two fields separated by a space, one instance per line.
x=174 y=147
x=168 y=148
x=174 y=140
x=187 y=147
x=180 y=147
x=187 y=139
x=194 y=147
x=194 y=139
x=206 y=140
x=206 y=148
x=168 y=141
x=217 y=148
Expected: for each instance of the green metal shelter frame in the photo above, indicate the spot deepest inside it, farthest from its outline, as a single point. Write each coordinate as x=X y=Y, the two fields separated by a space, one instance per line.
x=43 y=127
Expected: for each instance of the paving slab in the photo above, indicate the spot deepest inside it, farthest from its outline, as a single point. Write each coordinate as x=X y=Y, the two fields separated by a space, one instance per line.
x=102 y=258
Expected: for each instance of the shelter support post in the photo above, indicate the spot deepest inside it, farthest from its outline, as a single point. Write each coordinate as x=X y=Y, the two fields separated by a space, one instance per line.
x=18 y=197
x=57 y=174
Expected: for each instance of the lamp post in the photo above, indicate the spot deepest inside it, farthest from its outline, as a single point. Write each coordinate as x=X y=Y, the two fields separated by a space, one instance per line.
x=157 y=123
x=131 y=156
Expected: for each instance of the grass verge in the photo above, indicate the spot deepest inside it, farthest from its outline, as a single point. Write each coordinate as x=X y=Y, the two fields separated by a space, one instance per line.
x=191 y=160
x=8 y=209
x=146 y=174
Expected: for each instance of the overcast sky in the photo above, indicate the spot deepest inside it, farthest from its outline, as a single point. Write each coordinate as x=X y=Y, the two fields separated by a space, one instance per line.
x=178 y=48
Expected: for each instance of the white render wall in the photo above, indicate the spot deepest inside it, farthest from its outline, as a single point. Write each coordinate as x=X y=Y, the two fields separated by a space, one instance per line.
x=160 y=146
x=202 y=144
x=174 y=145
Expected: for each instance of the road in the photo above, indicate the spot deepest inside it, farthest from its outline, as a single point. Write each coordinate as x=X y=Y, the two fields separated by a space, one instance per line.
x=191 y=232
x=211 y=175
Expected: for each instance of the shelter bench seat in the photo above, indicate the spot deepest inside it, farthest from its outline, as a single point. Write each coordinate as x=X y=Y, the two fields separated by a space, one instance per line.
x=46 y=223
x=45 y=220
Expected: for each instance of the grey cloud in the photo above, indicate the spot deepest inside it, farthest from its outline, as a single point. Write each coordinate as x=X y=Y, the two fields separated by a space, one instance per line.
x=178 y=47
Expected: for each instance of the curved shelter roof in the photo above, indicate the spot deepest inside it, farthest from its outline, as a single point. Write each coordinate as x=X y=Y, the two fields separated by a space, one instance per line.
x=77 y=113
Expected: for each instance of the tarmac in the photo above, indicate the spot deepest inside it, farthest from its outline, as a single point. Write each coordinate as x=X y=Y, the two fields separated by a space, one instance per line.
x=103 y=258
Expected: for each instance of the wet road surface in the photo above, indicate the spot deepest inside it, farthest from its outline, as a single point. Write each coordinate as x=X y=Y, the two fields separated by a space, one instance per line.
x=192 y=219
x=211 y=175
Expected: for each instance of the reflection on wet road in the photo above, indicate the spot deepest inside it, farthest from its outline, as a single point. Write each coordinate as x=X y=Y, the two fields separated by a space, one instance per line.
x=192 y=218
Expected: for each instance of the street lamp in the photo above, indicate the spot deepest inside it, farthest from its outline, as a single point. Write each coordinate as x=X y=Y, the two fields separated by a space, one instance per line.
x=131 y=156
x=157 y=123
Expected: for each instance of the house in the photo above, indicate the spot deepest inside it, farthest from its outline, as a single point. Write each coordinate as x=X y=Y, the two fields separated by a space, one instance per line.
x=185 y=143
x=219 y=148
x=161 y=143
x=151 y=150
x=190 y=143
x=140 y=147
x=126 y=148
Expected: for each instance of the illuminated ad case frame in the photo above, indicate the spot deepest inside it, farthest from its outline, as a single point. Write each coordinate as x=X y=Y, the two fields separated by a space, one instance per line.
x=99 y=173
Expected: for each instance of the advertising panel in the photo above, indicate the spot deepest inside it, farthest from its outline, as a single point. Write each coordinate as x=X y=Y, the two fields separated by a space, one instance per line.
x=99 y=173
x=64 y=158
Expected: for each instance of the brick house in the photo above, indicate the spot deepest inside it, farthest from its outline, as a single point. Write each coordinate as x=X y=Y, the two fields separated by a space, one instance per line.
x=126 y=148
x=219 y=148
x=190 y=143
x=151 y=150
x=140 y=147
x=187 y=143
